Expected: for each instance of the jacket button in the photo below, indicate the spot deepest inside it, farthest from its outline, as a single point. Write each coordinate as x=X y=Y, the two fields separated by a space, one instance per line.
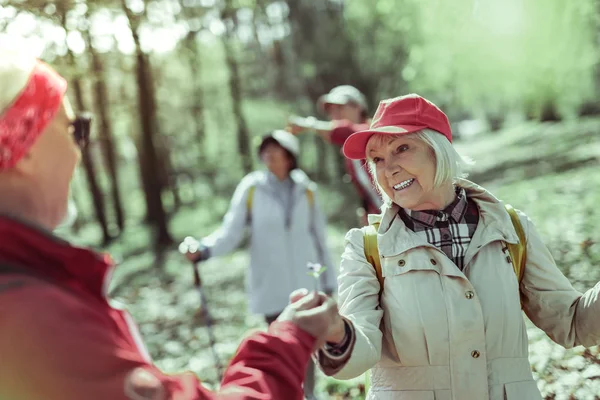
x=475 y=354
x=433 y=261
x=401 y=263
x=469 y=295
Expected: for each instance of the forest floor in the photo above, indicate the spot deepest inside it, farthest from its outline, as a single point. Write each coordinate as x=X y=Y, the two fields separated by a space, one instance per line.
x=550 y=171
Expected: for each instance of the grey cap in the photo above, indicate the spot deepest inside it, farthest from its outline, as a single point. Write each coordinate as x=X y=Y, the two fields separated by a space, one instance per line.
x=343 y=94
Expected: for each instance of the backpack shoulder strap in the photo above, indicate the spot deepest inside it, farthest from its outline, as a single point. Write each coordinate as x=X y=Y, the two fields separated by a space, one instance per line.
x=249 y=200
x=310 y=196
x=518 y=252
x=372 y=252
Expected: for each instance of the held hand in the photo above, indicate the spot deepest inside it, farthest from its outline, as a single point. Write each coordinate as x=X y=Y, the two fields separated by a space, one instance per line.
x=312 y=312
x=337 y=331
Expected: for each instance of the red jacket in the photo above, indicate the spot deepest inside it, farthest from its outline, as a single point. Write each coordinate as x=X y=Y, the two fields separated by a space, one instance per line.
x=61 y=340
x=358 y=169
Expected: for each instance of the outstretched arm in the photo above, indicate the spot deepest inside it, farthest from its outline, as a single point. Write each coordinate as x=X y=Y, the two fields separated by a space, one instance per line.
x=569 y=317
x=78 y=351
x=298 y=125
x=231 y=232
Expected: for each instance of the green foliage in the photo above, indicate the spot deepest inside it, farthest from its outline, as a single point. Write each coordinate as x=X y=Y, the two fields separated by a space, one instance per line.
x=483 y=57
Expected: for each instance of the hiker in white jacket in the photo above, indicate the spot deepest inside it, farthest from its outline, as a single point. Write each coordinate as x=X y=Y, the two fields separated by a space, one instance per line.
x=280 y=209
x=443 y=320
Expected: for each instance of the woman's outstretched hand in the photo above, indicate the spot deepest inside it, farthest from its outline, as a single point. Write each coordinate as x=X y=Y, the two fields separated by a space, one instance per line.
x=336 y=330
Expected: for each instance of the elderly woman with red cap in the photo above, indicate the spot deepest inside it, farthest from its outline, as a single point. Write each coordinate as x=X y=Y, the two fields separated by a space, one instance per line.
x=434 y=307
x=279 y=208
x=60 y=339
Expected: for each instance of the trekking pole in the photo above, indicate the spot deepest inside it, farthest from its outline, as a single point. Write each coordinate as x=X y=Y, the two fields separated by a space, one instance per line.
x=190 y=244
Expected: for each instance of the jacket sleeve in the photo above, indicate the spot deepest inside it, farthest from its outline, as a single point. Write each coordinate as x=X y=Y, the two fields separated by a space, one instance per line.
x=271 y=365
x=569 y=317
x=319 y=233
x=233 y=228
x=358 y=298
x=343 y=129
x=54 y=358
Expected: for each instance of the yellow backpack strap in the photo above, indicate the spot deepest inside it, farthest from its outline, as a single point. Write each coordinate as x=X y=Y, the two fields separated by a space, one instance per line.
x=518 y=252
x=249 y=202
x=310 y=196
x=372 y=252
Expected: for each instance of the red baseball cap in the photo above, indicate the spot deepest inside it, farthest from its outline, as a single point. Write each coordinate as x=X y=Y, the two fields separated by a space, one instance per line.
x=401 y=115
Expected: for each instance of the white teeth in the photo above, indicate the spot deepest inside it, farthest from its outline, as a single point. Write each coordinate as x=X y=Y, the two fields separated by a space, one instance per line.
x=404 y=184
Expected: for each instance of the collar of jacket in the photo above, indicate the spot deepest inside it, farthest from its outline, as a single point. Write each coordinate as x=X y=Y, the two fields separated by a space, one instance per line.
x=43 y=254
x=494 y=223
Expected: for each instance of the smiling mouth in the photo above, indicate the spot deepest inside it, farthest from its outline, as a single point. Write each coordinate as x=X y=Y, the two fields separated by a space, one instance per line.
x=404 y=184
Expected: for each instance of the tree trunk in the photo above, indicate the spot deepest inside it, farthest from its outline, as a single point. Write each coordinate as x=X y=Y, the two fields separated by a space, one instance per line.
x=194 y=59
x=90 y=169
x=281 y=77
x=549 y=112
x=307 y=30
x=87 y=158
x=235 y=87
x=167 y=173
x=105 y=132
x=495 y=122
x=189 y=45
x=149 y=160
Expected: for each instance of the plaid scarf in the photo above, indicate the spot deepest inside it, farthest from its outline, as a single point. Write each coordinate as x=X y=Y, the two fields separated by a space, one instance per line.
x=450 y=229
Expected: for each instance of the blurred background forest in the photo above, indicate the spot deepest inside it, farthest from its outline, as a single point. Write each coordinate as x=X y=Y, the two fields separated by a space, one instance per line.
x=181 y=89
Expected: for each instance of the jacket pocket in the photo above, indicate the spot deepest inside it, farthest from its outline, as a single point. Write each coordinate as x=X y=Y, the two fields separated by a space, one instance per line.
x=522 y=390
x=410 y=261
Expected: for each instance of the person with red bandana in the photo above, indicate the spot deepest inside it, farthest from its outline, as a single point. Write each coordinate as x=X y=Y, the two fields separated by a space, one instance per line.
x=60 y=339
x=346 y=108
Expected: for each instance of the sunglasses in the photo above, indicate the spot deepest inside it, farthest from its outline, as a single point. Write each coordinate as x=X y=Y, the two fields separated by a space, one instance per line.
x=81 y=129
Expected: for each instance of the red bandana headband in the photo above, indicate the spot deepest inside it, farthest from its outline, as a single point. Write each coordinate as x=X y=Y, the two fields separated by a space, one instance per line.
x=24 y=121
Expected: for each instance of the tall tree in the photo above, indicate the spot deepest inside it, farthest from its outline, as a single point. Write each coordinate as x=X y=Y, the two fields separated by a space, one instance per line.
x=189 y=46
x=87 y=156
x=150 y=166
x=105 y=131
x=228 y=15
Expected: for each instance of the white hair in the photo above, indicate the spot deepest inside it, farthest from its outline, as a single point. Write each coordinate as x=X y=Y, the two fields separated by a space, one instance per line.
x=15 y=69
x=449 y=164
